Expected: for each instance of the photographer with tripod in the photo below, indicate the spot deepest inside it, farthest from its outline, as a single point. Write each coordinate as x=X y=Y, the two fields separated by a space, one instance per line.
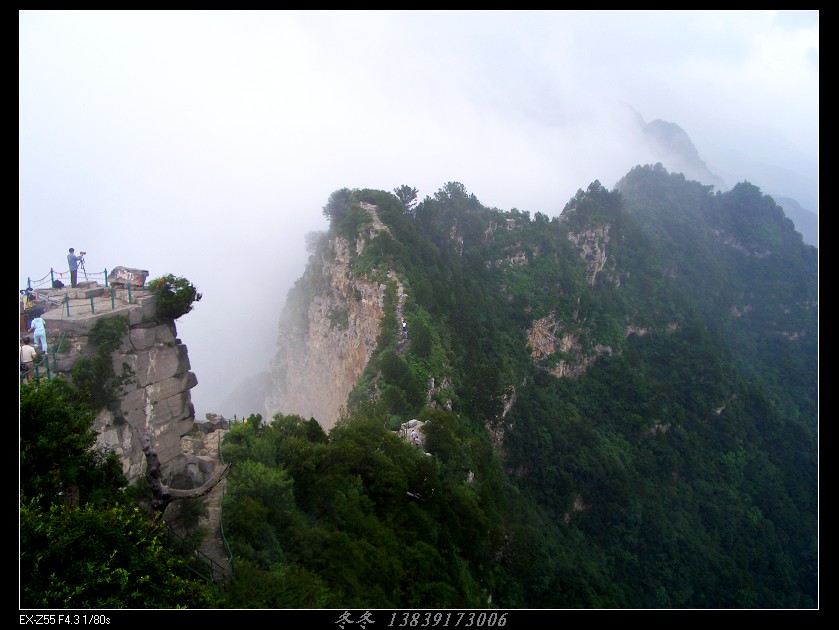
x=74 y=261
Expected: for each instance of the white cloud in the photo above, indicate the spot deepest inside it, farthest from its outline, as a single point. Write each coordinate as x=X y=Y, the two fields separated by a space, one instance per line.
x=205 y=143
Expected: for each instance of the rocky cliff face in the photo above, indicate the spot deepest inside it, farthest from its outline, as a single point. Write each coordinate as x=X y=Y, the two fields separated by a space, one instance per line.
x=155 y=398
x=324 y=345
x=316 y=368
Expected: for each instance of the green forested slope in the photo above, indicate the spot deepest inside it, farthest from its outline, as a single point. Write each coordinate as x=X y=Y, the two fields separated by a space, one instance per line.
x=672 y=464
x=739 y=262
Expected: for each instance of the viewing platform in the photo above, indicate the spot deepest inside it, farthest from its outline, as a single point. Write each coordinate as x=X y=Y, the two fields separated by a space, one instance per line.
x=123 y=289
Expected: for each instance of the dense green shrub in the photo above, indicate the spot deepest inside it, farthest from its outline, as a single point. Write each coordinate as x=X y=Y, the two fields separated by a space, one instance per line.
x=176 y=296
x=90 y=557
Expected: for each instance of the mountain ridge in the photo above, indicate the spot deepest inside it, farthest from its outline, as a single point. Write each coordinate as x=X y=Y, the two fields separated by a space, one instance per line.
x=676 y=151
x=636 y=380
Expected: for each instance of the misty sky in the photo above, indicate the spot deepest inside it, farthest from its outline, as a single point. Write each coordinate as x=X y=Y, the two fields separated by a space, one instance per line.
x=206 y=143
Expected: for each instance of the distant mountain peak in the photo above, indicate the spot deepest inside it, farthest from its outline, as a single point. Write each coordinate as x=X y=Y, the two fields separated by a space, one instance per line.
x=674 y=148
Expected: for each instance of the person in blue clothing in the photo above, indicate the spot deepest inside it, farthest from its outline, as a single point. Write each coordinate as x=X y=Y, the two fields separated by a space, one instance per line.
x=73 y=262
x=39 y=328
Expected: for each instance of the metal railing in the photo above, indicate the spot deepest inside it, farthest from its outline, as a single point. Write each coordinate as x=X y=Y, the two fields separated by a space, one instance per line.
x=47 y=286
x=202 y=564
x=111 y=299
x=43 y=370
x=48 y=281
x=221 y=513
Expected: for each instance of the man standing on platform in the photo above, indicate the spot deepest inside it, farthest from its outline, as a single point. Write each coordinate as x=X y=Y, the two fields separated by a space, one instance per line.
x=73 y=261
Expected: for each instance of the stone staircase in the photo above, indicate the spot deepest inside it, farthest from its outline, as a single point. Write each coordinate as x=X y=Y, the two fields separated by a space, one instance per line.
x=201 y=451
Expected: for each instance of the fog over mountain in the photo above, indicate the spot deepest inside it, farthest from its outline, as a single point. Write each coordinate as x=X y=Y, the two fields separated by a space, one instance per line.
x=806 y=222
x=206 y=143
x=673 y=148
